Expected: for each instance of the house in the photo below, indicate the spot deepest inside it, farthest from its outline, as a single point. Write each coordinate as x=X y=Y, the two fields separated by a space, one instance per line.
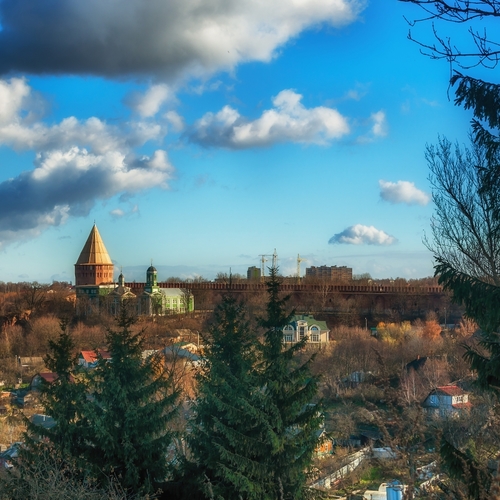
x=178 y=351
x=423 y=363
x=24 y=398
x=386 y=491
x=302 y=326
x=40 y=378
x=325 y=444
x=89 y=359
x=43 y=421
x=11 y=453
x=446 y=401
x=417 y=364
x=30 y=360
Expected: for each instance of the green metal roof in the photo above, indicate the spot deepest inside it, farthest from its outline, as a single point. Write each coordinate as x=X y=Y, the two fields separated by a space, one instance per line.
x=309 y=320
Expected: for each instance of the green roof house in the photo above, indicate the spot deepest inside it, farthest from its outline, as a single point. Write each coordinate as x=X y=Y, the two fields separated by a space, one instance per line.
x=306 y=326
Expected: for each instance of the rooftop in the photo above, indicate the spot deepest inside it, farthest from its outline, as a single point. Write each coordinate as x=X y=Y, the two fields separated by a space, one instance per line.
x=94 y=251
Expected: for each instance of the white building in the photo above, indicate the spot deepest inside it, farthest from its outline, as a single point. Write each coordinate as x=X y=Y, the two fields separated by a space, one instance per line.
x=446 y=401
x=306 y=326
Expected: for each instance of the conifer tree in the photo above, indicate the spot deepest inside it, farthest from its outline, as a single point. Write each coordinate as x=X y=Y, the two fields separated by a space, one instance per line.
x=63 y=400
x=127 y=417
x=294 y=414
x=230 y=431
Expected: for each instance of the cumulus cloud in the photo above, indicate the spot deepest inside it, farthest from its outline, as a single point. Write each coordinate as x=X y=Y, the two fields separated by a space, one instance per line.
x=403 y=192
x=20 y=131
x=168 y=38
x=362 y=235
x=76 y=163
x=66 y=183
x=149 y=103
x=288 y=120
x=13 y=94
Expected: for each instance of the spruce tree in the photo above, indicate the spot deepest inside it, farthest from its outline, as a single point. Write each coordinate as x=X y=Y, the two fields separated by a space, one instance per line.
x=294 y=414
x=63 y=399
x=230 y=432
x=129 y=412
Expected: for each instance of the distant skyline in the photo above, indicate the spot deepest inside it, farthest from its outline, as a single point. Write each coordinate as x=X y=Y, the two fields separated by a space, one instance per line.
x=204 y=134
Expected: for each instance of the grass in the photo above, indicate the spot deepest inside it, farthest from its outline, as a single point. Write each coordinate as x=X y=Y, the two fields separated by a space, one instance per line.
x=371 y=478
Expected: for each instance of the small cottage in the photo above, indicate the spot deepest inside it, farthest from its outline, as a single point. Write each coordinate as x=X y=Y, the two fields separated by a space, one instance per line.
x=447 y=401
x=88 y=359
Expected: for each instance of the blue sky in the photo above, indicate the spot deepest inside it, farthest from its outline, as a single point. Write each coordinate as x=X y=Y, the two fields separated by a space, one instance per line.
x=201 y=134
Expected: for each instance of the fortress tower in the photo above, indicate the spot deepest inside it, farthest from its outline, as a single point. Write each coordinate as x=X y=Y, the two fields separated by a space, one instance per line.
x=94 y=266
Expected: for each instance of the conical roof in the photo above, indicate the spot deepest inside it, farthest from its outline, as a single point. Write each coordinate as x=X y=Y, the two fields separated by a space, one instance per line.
x=94 y=251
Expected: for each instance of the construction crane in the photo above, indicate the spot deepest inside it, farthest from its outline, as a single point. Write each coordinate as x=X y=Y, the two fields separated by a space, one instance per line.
x=275 y=259
x=299 y=260
x=263 y=261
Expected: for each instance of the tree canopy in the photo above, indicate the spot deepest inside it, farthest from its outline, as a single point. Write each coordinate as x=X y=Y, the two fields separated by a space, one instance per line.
x=230 y=430
x=113 y=422
x=294 y=413
x=465 y=226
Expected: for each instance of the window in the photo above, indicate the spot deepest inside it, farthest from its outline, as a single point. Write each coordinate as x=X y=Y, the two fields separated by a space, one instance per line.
x=288 y=337
x=302 y=332
x=315 y=334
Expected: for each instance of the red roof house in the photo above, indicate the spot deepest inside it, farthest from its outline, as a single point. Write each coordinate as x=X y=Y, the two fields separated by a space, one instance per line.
x=447 y=400
x=88 y=359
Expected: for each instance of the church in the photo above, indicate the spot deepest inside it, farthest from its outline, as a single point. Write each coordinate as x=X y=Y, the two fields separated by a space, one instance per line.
x=97 y=291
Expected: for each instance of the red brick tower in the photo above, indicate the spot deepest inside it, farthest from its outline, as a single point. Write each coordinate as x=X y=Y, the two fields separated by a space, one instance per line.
x=94 y=266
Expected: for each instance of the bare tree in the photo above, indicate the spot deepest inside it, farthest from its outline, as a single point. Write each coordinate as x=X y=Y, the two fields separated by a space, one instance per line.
x=482 y=51
x=471 y=92
x=465 y=226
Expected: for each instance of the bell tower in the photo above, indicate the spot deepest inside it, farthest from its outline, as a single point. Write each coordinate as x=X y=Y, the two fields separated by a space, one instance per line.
x=94 y=266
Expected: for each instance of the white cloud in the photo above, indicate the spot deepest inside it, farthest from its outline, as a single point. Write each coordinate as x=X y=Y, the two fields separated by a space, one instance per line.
x=168 y=38
x=379 y=127
x=358 y=92
x=69 y=182
x=19 y=130
x=13 y=95
x=175 y=120
x=92 y=133
x=288 y=120
x=76 y=163
x=149 y=103
x=403 y=192
x=117 y=213
x=362 y=235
